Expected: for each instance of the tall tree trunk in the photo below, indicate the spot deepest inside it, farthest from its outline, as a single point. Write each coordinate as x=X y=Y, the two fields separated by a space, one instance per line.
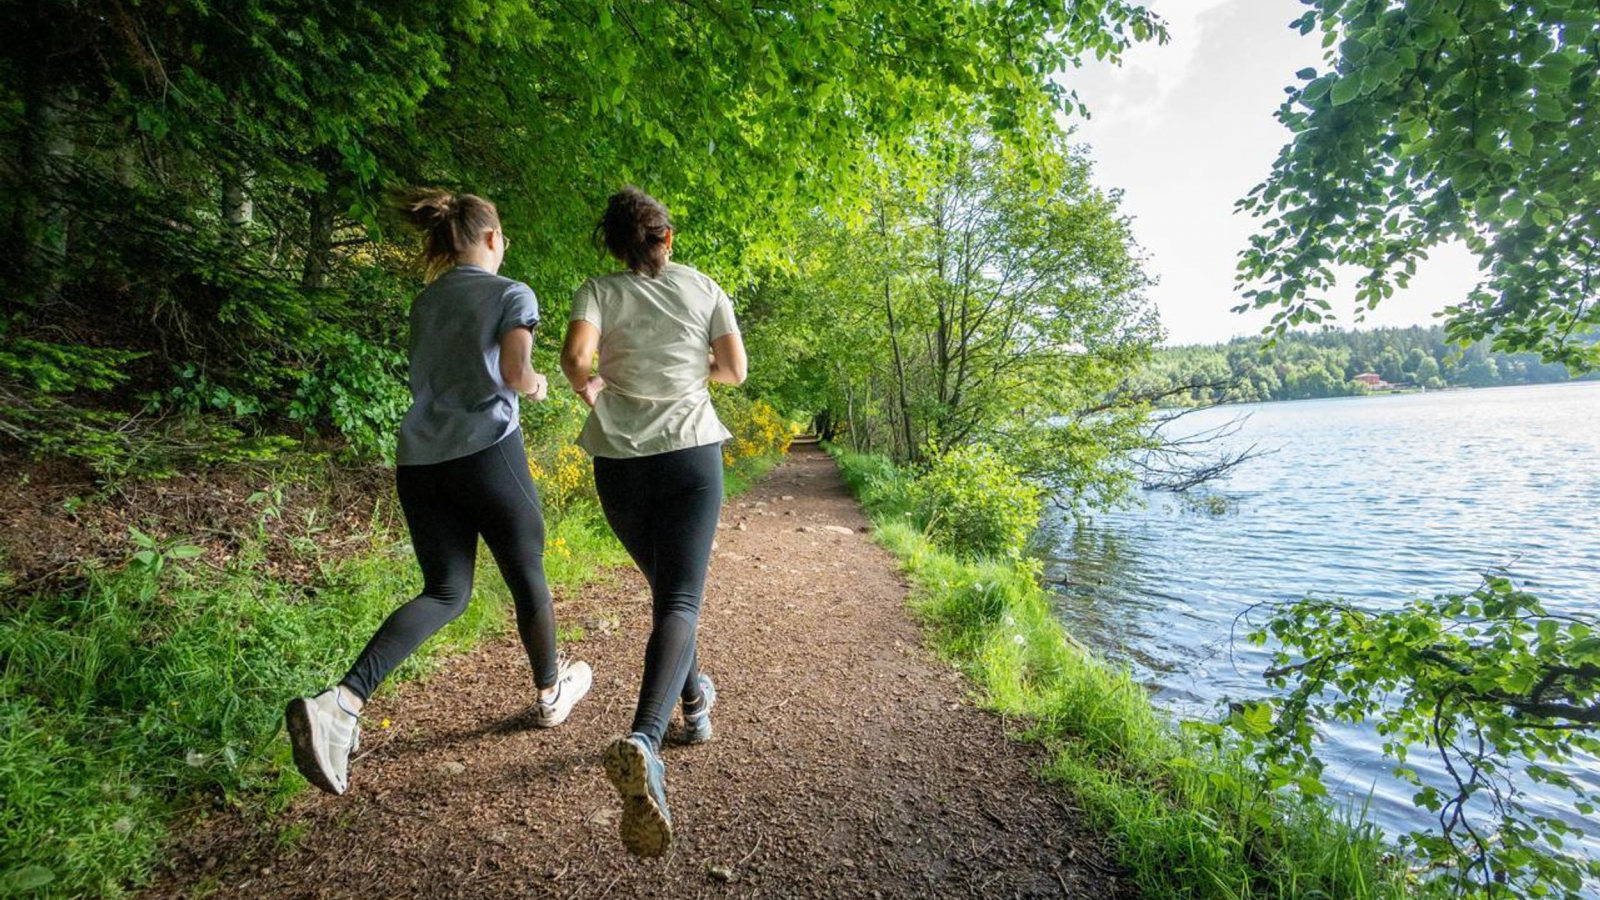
x=319 y=241
x=43 y=217
x=237 y=208
x=942 y=335
x=894 y=340
x=963 y=339
x=850 y=414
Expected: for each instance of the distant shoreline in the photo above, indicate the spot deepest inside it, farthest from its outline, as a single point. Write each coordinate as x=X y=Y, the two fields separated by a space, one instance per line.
x=1452 y=389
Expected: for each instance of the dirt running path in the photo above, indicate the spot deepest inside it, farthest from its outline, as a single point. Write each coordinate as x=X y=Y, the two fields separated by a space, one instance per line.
x=848 y=761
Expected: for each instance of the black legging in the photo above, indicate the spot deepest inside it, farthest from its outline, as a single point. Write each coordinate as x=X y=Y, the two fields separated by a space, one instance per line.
x=447 y=506
x=664 y=510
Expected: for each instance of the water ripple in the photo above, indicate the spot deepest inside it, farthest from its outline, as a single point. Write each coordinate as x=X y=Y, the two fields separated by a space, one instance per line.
x=1375 y=499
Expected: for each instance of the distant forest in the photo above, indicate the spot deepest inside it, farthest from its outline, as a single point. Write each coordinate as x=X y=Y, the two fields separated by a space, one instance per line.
x=1302 y=366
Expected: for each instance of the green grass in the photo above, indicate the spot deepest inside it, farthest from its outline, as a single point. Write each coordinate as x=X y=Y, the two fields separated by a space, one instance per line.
x=743 y=474
x=144 y=693
x=1186 y=814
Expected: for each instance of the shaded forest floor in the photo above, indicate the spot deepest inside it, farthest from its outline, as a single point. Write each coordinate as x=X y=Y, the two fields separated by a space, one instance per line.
x=848 y=761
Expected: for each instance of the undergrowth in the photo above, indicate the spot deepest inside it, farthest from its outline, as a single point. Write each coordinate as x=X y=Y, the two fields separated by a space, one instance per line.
x=743 y=474
x=1186 y=813
x=158 y=687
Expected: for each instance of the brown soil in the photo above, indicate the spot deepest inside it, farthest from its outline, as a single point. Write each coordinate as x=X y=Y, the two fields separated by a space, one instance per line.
x=58 y=519
x=848 y=762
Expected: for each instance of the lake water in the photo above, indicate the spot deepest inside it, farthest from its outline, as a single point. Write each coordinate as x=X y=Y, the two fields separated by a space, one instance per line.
x=1375 y=499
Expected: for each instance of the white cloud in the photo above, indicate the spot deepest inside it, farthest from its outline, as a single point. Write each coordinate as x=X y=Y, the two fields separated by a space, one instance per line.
x=1139 y=89
x=1185 y=130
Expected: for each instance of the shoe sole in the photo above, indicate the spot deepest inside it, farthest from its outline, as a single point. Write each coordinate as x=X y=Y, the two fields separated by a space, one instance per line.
x=644 y=828
x=305 y=736
x=562 y=716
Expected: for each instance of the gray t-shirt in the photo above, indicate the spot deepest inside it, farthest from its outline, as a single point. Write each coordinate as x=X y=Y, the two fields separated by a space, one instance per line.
x=655 y=340
x=459 y=404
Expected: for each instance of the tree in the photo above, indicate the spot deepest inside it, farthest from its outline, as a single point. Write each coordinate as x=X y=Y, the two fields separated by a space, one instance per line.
x=1439 y=121
x=1432 y=122
x=229 y=165
x=1414 y=358
x=1295 y=365
x=1427 y=373
x=991 y=295
x=1390 y=365
x=1490 y=682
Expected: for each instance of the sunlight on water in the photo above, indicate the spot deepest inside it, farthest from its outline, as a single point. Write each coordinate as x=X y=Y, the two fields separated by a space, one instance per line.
x=1376 y=499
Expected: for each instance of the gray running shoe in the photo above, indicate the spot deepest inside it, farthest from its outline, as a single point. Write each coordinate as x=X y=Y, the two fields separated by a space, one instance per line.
x=323 y=736
x=572 y=683
x=639 y=776
x=696 y=728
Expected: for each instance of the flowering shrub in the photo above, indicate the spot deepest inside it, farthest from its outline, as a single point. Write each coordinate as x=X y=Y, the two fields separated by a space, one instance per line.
x=972 y=502
x=563 y=475
x=758 y=429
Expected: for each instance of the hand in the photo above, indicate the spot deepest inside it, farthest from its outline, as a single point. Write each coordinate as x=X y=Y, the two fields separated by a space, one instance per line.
x=541 y=387
x=591 y=390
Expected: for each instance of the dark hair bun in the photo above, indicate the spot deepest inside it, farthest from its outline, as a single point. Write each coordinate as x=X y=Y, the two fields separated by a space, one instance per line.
x=634 y=228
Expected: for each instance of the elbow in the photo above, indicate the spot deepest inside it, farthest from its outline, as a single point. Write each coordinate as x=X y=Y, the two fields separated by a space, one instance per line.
x=573 y=365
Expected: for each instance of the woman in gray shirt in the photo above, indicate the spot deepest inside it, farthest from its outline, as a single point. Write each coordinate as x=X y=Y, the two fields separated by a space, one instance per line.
x=462 y=473
x=663 y=332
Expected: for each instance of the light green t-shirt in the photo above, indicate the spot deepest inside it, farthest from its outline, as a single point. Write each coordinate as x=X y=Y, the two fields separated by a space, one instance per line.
x=655 y=337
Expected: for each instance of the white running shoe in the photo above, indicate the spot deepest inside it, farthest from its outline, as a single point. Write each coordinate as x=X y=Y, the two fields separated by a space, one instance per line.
x=572 y=683
x=323 y=736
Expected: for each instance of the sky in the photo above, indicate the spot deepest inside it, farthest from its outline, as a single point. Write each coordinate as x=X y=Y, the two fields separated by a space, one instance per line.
x=1185 y=129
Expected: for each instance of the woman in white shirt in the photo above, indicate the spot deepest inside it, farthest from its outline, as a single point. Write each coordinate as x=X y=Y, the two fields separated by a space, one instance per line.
x=663 y=332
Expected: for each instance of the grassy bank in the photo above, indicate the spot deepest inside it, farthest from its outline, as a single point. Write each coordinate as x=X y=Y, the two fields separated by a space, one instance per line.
x=155 y=687
x=1187 y=814
x=158 y=686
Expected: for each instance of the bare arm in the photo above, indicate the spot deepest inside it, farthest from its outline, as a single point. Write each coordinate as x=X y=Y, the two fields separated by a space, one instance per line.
x=516 y=364
x=728 y=362
x=577 y=357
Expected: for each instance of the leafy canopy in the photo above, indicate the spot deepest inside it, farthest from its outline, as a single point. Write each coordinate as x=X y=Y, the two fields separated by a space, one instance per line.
x=992 y=295
x=211 y=177
x=1434 y=121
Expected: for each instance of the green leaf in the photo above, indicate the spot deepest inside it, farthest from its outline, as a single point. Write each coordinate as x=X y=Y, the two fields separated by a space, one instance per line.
x=1510 y=112
x=1346 y=89
x=27 y=878
x=1548 y=108
x=1316 y=89
x=1522 y=140
x=1257 y=718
